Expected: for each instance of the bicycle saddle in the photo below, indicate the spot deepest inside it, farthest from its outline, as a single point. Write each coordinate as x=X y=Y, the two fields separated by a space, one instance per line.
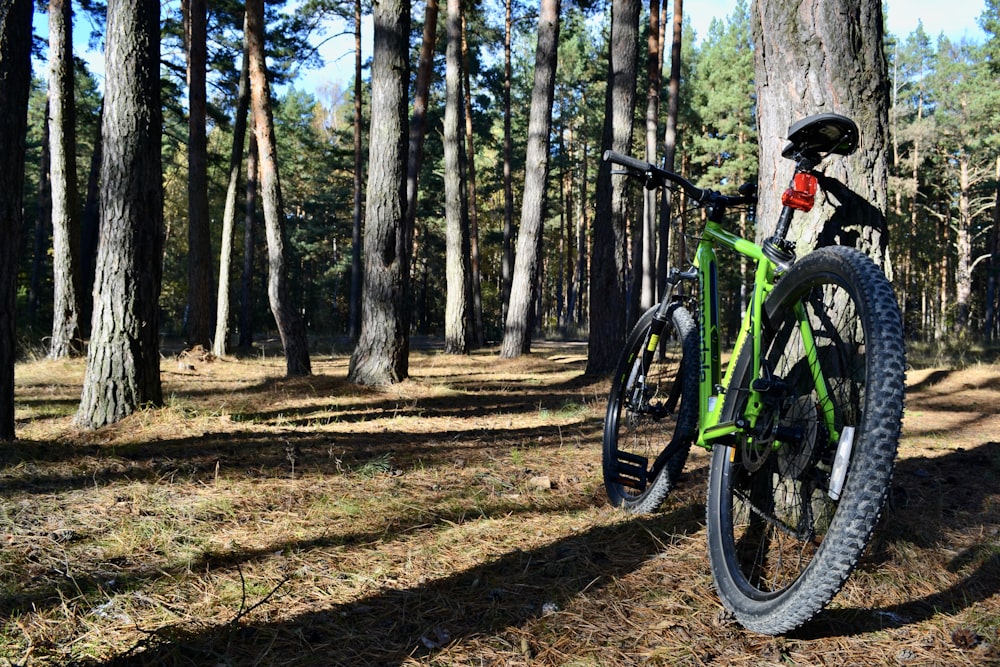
x=821 y=135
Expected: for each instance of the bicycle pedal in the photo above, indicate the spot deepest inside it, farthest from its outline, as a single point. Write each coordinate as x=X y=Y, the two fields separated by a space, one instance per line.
x=630 y=470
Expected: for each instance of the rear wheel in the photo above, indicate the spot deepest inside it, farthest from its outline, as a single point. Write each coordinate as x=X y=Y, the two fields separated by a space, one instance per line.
x=650 y=407
x=792 y=506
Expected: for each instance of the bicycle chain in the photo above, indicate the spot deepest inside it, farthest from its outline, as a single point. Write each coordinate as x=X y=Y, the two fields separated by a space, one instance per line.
x=802 y=536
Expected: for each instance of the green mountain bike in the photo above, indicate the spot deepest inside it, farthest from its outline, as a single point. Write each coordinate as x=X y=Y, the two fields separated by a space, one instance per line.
x=804 y=423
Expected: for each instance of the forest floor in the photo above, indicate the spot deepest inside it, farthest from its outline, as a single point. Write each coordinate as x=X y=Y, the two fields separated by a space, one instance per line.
x=457 y=518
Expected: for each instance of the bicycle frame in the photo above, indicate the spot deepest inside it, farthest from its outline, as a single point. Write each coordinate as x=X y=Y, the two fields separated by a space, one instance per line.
x=712 y=383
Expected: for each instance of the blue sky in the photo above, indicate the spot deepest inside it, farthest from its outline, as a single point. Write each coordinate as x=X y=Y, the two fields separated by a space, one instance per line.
x=954 y=18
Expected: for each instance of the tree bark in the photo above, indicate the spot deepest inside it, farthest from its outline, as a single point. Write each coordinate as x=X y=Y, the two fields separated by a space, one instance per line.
x=517 y=328
x=90 y=230
x=507 y=260
x=15 y=72
x=825 y=56
x=647 y=295
x=456 y=305
x=290 y=325
x=40 y=240
x=415 y=150
x=66 y=339
x=354 y=314
x=609 y=256
x=478 y=334
x=963 y=248
x=249 y=246
x=381 y=356
x=670 y=141
x=199 y=300
x=221 y=338
x=123 y=363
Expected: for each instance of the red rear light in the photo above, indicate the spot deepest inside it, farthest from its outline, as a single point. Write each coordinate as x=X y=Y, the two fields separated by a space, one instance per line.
x=802 y=193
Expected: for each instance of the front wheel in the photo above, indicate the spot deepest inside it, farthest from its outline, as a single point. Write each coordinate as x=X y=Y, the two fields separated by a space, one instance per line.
x=793 y=504
x=650 y=407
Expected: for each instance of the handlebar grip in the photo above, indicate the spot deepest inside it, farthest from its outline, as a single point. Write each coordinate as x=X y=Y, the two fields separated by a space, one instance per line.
x=626 y=161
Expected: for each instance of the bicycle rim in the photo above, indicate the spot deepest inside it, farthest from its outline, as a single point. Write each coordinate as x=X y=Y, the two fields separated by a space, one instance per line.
x=648 y=409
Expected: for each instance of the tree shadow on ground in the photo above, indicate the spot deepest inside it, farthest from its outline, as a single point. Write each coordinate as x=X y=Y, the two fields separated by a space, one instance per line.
x=932 y=498
x=393 y=625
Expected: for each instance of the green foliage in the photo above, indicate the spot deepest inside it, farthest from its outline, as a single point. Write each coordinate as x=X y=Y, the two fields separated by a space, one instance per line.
x=944 y=107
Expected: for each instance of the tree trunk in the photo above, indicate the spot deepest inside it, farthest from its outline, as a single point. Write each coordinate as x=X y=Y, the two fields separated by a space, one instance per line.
x=670 y=141
x=418 y=131
x=66 y=338
x=199 y=300
x=354 y=314
x=517 y=328
x=15 y=72
x=290 y=325
x=582 y=225
x=963 y=249
x=649 y=200
x=475 y=277
x=40 y=242
x=609 y=255
x=221 y=339
x=123 y=363
x=456 y=307
x=825 y=56
x=993 y=279
x=382 y=353
x=90 y=230
x=249 y=246
x=507 y=258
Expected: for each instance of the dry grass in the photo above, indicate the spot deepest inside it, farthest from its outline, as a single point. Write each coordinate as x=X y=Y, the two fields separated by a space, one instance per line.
x=455 y=519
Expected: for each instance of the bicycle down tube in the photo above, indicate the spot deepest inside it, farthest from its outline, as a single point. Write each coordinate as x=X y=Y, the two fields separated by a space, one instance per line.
x=712 y=384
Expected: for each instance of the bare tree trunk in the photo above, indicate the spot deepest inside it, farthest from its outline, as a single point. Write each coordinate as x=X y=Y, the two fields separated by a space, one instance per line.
x=582 y=225
x=220 y=341
x=40 y=240
x=670 y=141
x=200 y=307
x=829 y=52
x=66 y=338
x=290 y=325
x=478 y=328
x=944 y=233
x=507 y=261
x=456 y=307
x=15 y=72
x=517 y=328
x=963 y=247
x=993 y=280
x=649 y=213
x=418 y=132
x=90 y=230
x=354 y=315
x=249 y=246
x=609 y=255
x=382 y=353
x=123 y=362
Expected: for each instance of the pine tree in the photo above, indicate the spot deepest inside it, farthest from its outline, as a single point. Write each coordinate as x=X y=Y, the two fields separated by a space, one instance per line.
x=381 y=356
x=123 y=362
x=15 y=72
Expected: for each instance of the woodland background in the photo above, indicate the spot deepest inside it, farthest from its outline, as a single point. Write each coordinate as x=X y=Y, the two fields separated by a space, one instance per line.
x=943 y=189
x=255 y=516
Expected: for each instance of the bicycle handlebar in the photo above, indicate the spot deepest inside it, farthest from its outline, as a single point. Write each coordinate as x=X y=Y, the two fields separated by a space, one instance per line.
x=660 y=177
